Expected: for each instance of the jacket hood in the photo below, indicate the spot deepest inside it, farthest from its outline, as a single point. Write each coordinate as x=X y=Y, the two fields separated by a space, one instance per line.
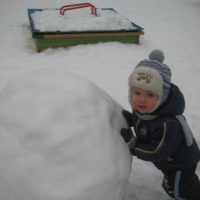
x=174 y=105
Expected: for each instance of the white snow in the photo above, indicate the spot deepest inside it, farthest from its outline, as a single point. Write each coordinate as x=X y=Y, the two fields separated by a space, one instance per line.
x=79 y=20
x=172 y=26
x=64 y=134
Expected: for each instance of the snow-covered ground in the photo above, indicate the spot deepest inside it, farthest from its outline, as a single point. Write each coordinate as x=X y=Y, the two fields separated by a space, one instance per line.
x=172 y=26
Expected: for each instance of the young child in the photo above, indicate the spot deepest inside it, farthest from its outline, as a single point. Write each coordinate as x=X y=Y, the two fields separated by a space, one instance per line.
x=161 y=134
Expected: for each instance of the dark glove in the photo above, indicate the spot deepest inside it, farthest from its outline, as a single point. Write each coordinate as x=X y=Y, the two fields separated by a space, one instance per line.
x=127 y=134
x=129 y=137
x=128 y=116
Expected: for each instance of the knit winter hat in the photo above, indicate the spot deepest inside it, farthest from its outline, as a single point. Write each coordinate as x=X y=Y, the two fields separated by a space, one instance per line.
x=152 y=75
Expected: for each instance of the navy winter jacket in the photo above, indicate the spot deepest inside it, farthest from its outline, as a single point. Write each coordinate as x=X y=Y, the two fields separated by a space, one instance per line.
x=161 y=140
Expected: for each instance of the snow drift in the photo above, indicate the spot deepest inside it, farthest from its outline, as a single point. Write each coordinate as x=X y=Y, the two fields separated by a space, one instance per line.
x=60 y=139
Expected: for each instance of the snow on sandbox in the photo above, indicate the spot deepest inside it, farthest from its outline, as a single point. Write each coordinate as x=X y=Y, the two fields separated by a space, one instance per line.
x=60 y=139
x=79 y=20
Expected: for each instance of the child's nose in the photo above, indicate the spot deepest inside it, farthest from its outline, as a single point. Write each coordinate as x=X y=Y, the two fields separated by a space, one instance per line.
x=142 y=98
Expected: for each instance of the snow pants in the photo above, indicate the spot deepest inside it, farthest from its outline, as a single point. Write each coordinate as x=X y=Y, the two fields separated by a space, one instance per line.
x=182 y=185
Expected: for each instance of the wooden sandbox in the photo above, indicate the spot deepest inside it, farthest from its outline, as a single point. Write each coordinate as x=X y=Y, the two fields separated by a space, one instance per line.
x=55 y=39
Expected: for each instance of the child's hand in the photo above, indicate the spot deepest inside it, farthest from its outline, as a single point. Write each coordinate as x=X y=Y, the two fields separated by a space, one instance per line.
x=129 y=137
x=126 y=134
x=128 y=116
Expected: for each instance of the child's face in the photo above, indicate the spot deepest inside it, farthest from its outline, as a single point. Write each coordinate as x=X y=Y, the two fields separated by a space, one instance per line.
x=143 y=101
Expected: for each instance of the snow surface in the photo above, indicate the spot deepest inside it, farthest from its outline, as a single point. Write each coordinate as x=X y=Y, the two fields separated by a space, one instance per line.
x=79 y=20
x=172 y=26
x=64 y=134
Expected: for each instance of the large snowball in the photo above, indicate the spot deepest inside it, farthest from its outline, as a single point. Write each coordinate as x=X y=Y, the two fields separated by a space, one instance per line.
x=60 y=140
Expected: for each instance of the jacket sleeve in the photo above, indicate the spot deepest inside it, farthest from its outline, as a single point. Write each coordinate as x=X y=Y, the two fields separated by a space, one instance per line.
x=164 y=141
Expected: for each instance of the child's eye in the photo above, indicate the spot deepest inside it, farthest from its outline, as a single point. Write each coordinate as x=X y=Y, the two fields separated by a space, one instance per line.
x=150 y=95
x=136 y=93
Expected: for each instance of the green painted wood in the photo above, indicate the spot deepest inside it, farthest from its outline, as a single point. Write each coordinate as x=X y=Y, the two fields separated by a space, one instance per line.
x=43 y=43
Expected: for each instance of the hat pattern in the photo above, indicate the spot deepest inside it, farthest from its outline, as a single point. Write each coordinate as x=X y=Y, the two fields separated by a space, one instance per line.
x=163 y=70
